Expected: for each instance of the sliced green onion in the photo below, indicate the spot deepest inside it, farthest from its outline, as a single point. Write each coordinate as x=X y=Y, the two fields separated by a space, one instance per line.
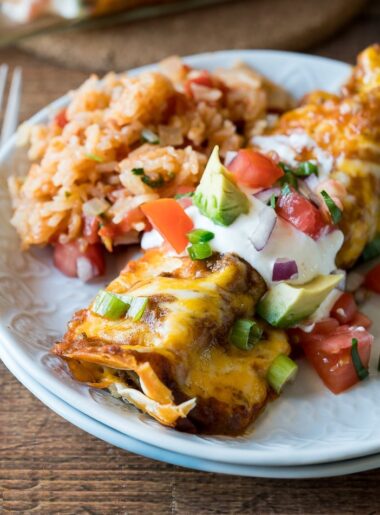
x=285 y=190
x=109 y=305
x=360 y=370
x=200 y=236
x=305 y=169
x=125 y=298
x=372 y=249
x=245 y=333
x=272 y=201
x=149 y=137
x=282 y=370
x=335 y=212
x=184 y=195
x=137 y=308
x=138 y=171
x=199 y=251
x=94 y=157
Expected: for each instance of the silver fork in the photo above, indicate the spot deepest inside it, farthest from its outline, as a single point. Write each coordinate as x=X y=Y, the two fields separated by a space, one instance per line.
x=12 y=108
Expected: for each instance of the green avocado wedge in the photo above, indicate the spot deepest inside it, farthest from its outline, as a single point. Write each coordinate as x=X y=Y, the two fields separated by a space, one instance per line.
x=217 y=196
x=285 y=304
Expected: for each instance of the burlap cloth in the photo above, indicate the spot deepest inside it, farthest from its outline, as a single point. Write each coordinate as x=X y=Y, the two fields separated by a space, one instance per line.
x=280 y=24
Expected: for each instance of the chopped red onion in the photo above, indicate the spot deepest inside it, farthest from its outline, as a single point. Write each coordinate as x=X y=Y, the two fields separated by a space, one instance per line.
x=266 y=221
x=284 y=269
x=265 y=195
x=85 y=269
x=312 y=182
x=230 y=156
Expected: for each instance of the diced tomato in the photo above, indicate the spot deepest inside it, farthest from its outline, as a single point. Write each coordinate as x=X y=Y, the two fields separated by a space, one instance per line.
x=202 y=79
x=254 y=169
x=66 y=257
x=134 y=216
x=321 y=328
x=170 y=220
x=185 y=201
x=91 y=228
x=60 y=118
x=181 y=190
x=112 y=230
x=345 y=308
x=372 y=279
x=361 y=320
x=331 y=357
x=301 y=213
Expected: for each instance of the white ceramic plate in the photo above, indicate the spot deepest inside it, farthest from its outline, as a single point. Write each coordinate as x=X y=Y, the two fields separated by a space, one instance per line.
x=307 y=425
x=127 y=443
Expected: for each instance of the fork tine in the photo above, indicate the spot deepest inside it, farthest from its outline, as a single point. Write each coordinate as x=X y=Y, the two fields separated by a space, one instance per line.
x=3 y=81
x=13 y=106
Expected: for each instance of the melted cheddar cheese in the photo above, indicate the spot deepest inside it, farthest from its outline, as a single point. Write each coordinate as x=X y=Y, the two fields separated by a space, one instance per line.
x=186 y=373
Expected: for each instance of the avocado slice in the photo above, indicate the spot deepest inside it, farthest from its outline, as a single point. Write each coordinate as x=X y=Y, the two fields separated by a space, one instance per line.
x=286 y=304
x=217 y=196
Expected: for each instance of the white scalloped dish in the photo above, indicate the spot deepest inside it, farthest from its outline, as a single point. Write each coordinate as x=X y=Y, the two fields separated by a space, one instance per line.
x=307 y=425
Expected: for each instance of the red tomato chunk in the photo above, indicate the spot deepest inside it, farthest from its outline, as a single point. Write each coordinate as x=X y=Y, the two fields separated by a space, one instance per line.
x=254 y=169
x=301 y=213
x=66 y=258
x=331 y=357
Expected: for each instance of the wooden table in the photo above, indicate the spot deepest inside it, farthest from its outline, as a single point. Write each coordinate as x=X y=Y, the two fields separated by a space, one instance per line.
x=49 y=466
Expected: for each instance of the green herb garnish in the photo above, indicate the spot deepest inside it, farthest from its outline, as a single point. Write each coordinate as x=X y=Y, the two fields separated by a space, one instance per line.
x=146 y=179
x=285 y=167
x=138 y=171
x=335 y=212
x=360 y=370
x=372 y=249
x=149 y=137
x=272 y=201
x=153 y=183
x=305 y=169
x=94 y=157
x=290 y=179
x=285 y=190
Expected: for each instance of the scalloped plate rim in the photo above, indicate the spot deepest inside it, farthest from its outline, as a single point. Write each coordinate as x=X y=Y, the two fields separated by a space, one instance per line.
x=233 y=455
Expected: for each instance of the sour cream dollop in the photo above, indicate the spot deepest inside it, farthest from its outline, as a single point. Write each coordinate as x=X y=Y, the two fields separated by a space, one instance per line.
x=313 y=257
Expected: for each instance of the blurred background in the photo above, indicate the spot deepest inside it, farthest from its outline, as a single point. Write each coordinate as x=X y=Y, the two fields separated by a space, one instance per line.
x=99 y=35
